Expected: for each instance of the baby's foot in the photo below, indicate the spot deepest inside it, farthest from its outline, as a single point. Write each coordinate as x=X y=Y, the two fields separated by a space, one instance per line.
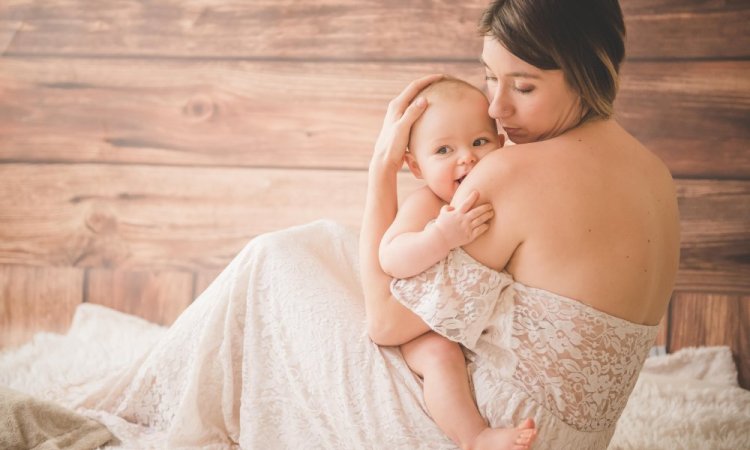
x=519 y=438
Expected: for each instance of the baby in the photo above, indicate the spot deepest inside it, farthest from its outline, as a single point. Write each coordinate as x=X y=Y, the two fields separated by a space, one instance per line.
x=446 y=142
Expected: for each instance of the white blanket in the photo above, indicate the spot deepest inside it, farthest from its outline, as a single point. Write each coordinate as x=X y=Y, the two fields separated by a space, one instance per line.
x=365 y=397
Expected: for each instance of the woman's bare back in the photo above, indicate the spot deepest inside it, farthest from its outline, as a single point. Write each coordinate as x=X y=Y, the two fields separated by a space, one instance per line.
x=595 y=216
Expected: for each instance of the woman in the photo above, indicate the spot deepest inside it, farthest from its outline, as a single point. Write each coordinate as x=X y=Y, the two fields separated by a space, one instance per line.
x=586 y=224
x=273 y=353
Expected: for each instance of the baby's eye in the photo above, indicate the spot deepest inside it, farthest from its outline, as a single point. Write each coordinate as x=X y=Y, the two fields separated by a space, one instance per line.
x=480 y=142
x=443 y=150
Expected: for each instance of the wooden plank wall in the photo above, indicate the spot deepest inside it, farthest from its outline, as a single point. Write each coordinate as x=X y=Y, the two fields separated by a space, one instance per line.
x=142 y=144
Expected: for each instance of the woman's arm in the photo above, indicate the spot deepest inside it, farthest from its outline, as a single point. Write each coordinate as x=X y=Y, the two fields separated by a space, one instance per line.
x=388 y=322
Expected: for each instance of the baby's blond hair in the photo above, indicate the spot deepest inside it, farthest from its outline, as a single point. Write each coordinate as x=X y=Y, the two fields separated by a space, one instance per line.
x=448 y=87
x=448 y=84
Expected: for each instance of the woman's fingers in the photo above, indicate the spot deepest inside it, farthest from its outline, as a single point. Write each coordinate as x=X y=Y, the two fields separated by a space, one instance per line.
x=398 y=105
x=412 y=113
x=401 y=115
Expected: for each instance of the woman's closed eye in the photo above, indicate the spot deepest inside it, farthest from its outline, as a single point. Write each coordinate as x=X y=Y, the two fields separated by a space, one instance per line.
x=523 y=89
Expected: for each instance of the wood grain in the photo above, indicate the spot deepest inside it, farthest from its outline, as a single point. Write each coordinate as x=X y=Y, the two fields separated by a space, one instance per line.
x=336 y=29
x=161 y=218
x=668 y=29
x=699 y=319
x=36 y=299
x=715 y=235
x=156 y=296
x=320 y=115
x=220 y=113
x=693 y=115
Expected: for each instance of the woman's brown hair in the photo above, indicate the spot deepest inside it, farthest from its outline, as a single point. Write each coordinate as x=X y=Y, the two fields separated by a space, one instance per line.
x=583 y=38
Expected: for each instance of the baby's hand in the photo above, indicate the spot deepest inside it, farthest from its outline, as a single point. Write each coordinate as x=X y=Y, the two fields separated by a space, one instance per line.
x=461 y=226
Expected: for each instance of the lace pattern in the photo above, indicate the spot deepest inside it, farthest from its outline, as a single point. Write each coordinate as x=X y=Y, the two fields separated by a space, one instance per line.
x=578 y=362
x=575 y=362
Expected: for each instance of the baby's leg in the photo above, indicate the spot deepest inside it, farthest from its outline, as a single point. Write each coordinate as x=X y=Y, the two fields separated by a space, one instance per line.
x=440 y=362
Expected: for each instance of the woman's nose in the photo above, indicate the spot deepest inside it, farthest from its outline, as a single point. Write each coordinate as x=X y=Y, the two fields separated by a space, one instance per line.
x=500 y=105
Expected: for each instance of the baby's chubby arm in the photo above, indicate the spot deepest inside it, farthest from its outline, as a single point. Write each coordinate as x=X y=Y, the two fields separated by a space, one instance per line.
x=410 y=246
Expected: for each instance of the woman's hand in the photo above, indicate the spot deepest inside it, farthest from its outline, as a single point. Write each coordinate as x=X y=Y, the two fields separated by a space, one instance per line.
x=402 y=112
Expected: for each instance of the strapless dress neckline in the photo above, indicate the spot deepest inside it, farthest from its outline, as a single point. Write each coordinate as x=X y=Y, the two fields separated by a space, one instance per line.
x=550 y=294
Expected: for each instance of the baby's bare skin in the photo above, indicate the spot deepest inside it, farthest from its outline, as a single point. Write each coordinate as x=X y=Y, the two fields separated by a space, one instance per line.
x=519 y=438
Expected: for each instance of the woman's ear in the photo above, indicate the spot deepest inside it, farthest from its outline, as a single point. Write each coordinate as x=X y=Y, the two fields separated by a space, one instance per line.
x=411 y=161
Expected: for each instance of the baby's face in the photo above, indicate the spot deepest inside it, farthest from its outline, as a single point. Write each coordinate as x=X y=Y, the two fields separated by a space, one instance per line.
x=450 y=137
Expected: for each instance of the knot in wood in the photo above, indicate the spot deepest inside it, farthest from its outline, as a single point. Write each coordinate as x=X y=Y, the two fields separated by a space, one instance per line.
x=101 y=223
x=199 y=108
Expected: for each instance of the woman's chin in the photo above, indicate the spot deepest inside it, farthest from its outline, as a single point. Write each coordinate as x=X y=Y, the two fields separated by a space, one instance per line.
x=520 y=140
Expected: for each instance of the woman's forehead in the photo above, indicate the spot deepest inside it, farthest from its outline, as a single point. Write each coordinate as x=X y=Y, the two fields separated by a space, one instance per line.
x=499 y=60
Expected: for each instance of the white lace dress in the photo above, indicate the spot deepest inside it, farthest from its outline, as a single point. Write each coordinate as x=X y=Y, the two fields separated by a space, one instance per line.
x=532 y=353
x=275 y=355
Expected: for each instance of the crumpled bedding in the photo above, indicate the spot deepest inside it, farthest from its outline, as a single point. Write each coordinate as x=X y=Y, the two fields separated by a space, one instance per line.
x=368 y=389
x=689 y=399
x=27 y=422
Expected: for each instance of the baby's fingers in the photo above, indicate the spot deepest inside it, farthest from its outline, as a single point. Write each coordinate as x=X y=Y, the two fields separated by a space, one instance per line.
x=468 y=202
x=479 y=211
x=482 y=218
x=478 y=231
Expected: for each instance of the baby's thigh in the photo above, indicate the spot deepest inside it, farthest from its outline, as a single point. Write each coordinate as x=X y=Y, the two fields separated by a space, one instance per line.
x=431 y=350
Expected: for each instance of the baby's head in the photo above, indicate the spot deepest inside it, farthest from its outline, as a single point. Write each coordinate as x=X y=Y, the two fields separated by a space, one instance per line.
x=452 y=134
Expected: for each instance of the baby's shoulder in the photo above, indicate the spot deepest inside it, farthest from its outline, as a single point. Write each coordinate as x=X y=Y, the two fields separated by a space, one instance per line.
x=424 y=195
x=422 y=199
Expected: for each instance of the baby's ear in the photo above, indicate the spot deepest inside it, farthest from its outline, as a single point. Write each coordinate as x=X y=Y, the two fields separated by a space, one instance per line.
x=411 y=161
x=500 y=140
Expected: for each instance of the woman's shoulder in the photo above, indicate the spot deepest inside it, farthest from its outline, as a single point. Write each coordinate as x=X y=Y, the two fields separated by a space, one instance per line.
x=502 y=167
x=510 y=174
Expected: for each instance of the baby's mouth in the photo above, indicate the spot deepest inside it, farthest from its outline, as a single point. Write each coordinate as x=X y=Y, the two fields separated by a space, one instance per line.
x=461 y=179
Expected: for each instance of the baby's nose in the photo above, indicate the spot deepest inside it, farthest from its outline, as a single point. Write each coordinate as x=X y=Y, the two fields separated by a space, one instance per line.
x=468 y=157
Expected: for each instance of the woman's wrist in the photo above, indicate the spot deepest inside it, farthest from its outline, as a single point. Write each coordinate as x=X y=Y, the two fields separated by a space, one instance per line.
x=381 y=164
x=382 y=170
